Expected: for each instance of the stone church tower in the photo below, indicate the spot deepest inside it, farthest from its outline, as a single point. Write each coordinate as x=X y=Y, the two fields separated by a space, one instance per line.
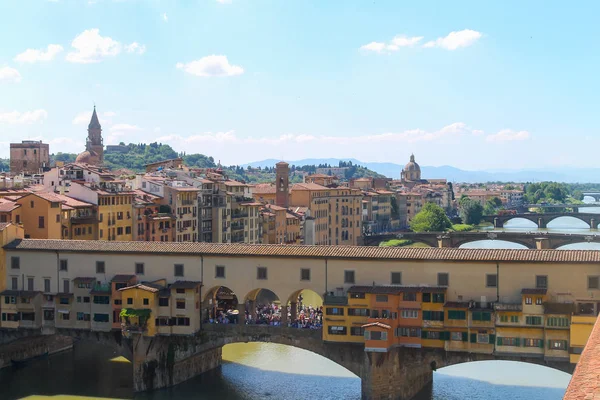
x=94 y=148
x=282 y=175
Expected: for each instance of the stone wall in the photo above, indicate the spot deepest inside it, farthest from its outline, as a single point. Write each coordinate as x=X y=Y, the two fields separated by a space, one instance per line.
x=33 y=346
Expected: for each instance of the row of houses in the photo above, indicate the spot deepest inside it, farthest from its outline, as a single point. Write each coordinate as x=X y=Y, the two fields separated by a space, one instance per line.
x=383 y=317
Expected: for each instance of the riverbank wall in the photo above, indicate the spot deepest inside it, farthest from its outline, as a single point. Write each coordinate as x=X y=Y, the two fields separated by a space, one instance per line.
x=32 y=347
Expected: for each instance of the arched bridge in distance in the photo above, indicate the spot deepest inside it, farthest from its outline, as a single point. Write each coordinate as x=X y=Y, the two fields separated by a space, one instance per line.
x=531 y=240
x=542 y=220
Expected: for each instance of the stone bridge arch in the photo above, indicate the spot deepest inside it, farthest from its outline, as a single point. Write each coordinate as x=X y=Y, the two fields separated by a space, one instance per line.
x=527 y=243
x=582 y=217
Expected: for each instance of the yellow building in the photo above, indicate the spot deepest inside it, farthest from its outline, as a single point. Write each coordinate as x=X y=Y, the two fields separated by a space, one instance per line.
x=21 y=309
x=432 y=305
x=344 y=316
x=582 y=323
x=509 y=327
x=10 y=211
x=482 y=334
x=558 y=320
x=79 y=219
x=8 y=233
x=140 y=308
x=41 y=215
x=456 y=323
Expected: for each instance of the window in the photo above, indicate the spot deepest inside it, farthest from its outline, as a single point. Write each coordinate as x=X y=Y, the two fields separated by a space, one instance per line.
x=219 y=271
x=41 y=223
x=514 y=318
x=78 y=299
x=128 y=230
x=119 y=230
x=557 y=321
x=433 y=315
x=182 y=321
x=64 y=265
x=66 y=284
x=491 y=280
x=139 y=268
x=15 y=283
x=99 y=267
x=118 y=302
x=305 y=274
x=381 y=298
x=46 y=285
x=538 y=301
x=358 y=312
x=442 y=279
x=408 y=332
x=528 y=300
x=409 y=313
x=541 y=282
x=409 y=296
x=357 y=295
x=529 y=320
x=15 y=262
x=357 y=331
x=163 y=302
x=457 y=314
x=483 y=338
x=261 y=272
x=180 y=304
x=86 y=299
x=481 y=316
x=336 y=330
x=349 y=277
x=426 y=297
x=100 y=317
x=64 y=300
x=375 y=335
x=457 y=336
x=30 y=284
x=533 y=343
x=396 y=278
x=83 y=316
x=178 y=269
x=129 y=300
x=58 y=218
x=593 y=282
x=432 y=335
x=334 y=311
x=101 y=300
x=438 y=297
x=557 y=344
x=146 y=302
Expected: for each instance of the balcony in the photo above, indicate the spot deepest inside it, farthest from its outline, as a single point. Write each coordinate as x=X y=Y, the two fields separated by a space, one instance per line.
x=237 y=227
x=103 y=289
x=335 y=300
x=239 y=215
x=84 y=218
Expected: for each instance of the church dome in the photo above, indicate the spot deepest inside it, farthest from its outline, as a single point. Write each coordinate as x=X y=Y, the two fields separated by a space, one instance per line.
x=412 y=166
x=87 y=157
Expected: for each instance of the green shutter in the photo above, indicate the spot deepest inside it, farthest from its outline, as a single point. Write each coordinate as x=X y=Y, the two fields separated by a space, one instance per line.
x=423 y=334
x=3 y=316
x=492 y=339
x=486 y=316
x=427 y=315
x=465 y=337
x=476 y=316
x=446 y=336
x=517 y=342
x=452 y=314
x=499 y=341
x=473 y=338
x=541 y=344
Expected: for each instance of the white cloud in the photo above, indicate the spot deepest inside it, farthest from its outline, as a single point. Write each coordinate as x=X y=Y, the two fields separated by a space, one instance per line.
x=124 y=127
x=393 y=45
x=85 y=116
x=165 y=17
x=136 y=48
x=455 y=40
x=508 y=135
x=8 y=74
x=27 y=117
x=35 y=55
x=90 y=47
x=214 y=65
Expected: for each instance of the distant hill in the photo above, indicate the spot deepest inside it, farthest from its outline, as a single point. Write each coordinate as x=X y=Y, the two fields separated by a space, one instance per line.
x=454 y=174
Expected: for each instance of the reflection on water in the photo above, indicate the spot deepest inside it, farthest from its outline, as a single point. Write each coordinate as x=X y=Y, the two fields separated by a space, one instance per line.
x=269 y=371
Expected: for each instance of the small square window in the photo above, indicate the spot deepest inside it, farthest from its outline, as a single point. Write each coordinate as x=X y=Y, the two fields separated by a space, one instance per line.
x=15 y=262
x=100 y=267
x=139 y=268
x=541 y=282
x=261 y=273
x=396 y=278
x=593 y=282
x=129 y=300
x=64 y=265
x=305 y=274
x=443 y=279
x=178 y=269
x=491 y=280
x=146 y=302
x=219 y=271
x=349 y=277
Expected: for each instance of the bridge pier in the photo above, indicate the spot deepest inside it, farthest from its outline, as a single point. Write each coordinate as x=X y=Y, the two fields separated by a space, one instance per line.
x=542 y=243
x=444 y=241
x=593 y=223
x=498 y=223
x=542 y=223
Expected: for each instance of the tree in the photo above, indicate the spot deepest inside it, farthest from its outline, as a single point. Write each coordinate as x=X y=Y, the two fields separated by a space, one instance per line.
x=577 y=195
x=431 y=218
x=495 y=201
x=470 y=211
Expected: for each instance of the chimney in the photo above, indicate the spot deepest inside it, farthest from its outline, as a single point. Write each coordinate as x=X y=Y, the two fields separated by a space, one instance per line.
x=61 y=189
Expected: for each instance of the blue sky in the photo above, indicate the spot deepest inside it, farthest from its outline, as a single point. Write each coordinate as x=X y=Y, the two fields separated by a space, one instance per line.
x=466 y=83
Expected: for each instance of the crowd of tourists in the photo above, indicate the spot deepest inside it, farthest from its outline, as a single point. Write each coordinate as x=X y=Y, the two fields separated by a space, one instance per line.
x=308 y=317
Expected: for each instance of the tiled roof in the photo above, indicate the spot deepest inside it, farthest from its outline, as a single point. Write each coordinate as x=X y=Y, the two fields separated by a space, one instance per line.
x=263 y=188
x=456 y=304
x=3 y=225
x=377 y=324
x=142 y=286
x=307 y=186
x=306 y=251
x=70 y=201
x=585 y=384
x=185 y=285
x=122 y=278
x=380 y=289
x=7 y=205
x=535 y=291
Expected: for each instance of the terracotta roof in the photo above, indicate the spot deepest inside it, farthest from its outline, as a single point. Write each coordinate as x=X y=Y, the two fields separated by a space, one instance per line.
x=534 y=291
x=8 y=206
x=392 y=289
x=585 y=384
x=263 y=188
x=253 y=203
x=307 y=186
x=274 y=207
x=142 y=286
x=122 y=278
x=20 y=293
x=70 y=201
x=319 y=176
x=51 y=197
x=377 y=324
x=456 y=304
x=185 y=285
x=3 y=225
x=299 y=251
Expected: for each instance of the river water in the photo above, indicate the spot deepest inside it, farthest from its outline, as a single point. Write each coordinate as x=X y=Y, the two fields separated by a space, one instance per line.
x=254 y=371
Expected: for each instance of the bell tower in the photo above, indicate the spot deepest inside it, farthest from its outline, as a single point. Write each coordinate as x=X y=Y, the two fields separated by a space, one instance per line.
x=282 y=175
x=94 y=143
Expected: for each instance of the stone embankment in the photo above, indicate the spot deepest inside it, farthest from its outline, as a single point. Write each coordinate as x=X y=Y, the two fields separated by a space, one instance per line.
x=32 y=347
